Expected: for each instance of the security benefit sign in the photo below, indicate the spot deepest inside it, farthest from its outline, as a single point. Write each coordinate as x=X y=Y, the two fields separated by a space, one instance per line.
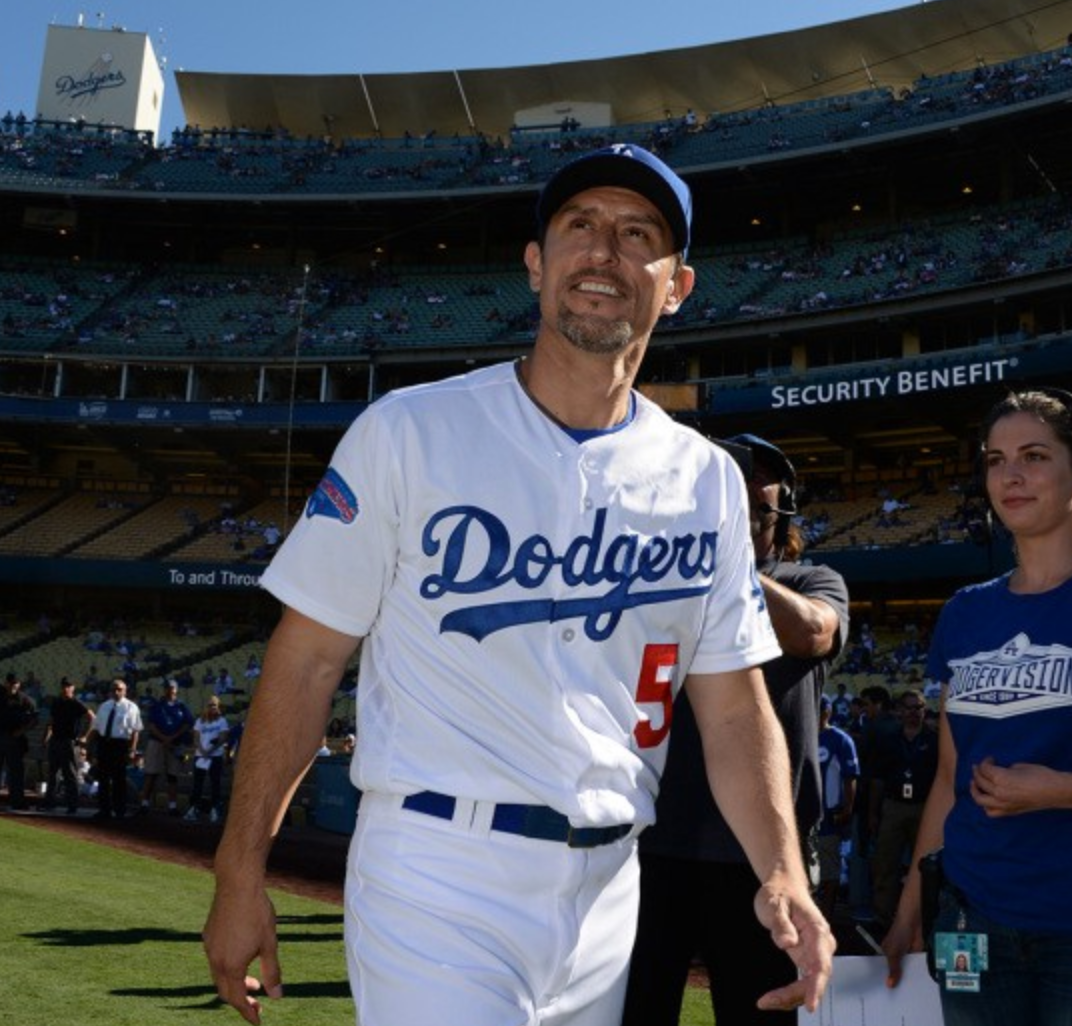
x=892 y=384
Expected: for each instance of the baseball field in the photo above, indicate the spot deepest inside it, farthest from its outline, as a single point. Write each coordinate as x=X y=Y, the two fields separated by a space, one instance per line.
x=94 y=934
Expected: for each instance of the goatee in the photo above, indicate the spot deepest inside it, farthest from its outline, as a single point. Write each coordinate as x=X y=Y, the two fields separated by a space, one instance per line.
x=593 y=334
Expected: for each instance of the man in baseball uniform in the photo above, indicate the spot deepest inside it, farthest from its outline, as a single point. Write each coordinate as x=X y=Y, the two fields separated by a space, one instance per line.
x=535 y=559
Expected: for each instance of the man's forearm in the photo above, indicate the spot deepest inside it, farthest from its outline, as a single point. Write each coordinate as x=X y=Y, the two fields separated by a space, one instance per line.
x=806 y=627
x=286 y=721
x=278 y=747
x=748 y=769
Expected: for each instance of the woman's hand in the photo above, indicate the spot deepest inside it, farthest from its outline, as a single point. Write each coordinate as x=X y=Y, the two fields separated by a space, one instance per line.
x=1022 y=787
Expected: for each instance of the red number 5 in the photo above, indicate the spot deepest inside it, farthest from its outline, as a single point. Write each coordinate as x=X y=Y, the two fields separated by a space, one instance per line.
x=656 y=687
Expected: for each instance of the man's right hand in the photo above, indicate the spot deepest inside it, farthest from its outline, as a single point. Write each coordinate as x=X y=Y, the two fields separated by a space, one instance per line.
x=240 y=929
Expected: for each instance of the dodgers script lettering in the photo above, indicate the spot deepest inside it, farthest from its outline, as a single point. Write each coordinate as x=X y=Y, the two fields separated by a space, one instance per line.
x=625 y=563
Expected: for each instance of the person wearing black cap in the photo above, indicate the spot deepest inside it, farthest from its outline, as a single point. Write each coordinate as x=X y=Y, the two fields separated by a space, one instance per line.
x=538 y=558
x=696 y=886
x=63 y=733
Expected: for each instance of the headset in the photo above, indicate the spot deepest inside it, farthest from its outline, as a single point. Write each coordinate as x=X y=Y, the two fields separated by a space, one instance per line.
x=787 y=502
x=745 y=458
x=786 y=510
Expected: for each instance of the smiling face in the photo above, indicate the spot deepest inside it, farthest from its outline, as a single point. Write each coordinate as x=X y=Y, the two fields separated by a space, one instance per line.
x=606 y=270
x=1028 y=475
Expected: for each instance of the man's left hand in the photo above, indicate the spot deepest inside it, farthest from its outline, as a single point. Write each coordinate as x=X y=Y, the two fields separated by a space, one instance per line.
x=797 y=927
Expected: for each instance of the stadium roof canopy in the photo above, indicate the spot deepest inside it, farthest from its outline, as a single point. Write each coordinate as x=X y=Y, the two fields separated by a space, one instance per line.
x=884 y=50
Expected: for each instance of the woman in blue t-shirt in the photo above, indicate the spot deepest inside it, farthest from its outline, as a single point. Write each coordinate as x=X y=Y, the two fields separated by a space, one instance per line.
x=1001 y=805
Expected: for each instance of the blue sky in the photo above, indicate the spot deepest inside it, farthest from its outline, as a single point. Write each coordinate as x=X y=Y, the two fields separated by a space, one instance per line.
x=350 y=36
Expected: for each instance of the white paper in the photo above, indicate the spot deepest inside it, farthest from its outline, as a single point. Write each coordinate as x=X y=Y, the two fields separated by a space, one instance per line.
x=857 y=994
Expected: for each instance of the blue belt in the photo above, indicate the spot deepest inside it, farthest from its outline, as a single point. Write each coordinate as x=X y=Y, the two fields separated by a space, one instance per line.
x=537 y=821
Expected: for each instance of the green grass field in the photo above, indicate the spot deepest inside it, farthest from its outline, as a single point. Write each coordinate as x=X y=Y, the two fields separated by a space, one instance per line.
x=696 y=1009
x=90 y=936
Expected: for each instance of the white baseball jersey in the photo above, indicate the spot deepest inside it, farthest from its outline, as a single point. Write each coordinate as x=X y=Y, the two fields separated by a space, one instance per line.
x=210 y=736
x=531 y=603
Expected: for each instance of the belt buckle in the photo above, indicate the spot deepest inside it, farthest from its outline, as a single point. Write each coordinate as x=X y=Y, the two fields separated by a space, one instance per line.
x=575 y=838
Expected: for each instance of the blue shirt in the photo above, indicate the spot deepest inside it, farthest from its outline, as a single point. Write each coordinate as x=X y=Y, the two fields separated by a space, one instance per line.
x=837 y=764
x=1006 y=662
x=168 y=717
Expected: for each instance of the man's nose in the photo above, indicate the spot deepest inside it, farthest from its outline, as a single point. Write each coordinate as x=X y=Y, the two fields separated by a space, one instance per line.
x=603 y=245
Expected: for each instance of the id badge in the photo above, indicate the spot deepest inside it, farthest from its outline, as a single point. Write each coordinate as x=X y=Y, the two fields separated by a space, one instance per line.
x=962 y=957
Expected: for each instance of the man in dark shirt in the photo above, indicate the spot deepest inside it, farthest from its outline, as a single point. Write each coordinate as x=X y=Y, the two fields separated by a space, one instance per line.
x=902 y=771
x=17 y=715
x=63 y=732
x=696 y=886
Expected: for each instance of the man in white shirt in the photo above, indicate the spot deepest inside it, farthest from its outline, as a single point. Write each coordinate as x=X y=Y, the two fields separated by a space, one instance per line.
x=116 y=728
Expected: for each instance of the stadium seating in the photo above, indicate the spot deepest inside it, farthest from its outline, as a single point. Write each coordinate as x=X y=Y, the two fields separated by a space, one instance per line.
x=23 y=504
x=241 y=541
x=242 y=162
x=209 y=320
x=202 y=311
x=155 y=528
x=72 y=521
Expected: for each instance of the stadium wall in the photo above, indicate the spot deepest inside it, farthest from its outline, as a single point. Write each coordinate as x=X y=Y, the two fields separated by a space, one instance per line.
x=895 y=567
x=910 y=568
x=173 y=578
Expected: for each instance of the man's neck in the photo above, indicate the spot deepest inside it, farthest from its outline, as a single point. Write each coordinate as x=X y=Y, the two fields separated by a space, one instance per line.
x=590 y=394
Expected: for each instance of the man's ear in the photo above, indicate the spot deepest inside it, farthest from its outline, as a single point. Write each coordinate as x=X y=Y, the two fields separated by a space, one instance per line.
x=678 y=289
x=534 y=263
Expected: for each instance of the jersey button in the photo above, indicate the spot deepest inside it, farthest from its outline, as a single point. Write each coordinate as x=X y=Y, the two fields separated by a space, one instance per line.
x=588 y=503
x=567 y=634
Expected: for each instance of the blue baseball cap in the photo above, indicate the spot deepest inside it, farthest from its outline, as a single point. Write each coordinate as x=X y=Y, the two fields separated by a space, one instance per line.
x=628 y=167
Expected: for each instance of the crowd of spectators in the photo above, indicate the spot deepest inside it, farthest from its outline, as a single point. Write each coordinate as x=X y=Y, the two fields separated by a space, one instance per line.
x=121 y=649
x=76 y=308
x=246 y=535
x=272 y=160
x=249 y=312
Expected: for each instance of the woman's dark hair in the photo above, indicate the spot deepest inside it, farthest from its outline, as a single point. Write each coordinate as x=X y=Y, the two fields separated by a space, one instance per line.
x=1052 y=406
